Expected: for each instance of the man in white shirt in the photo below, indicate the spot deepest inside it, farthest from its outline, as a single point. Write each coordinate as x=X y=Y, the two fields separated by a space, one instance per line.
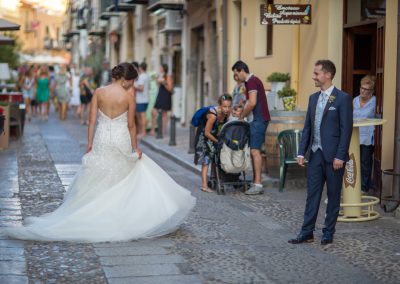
x=142 y=98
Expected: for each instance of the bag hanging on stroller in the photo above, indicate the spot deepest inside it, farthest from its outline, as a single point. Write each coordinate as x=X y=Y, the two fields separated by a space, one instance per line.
x=235 y=161
x=234 y=154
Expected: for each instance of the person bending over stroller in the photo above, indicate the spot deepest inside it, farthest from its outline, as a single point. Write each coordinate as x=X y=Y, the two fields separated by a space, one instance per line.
x=215 y=118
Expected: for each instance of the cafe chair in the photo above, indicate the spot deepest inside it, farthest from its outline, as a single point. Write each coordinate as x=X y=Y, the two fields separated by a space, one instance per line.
x=288 y=141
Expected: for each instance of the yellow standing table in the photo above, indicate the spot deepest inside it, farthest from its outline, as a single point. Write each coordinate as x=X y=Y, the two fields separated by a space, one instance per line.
x=354 y=206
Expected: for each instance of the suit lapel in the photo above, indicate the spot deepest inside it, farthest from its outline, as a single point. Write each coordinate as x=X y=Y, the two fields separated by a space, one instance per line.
x=330 y=101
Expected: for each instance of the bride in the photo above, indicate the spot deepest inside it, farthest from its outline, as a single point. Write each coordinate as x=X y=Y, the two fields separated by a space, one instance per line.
x=118 y=194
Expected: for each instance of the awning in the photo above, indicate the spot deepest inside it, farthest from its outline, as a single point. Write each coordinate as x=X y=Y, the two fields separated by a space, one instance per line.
x=5 y=40
x=8 y=26
x=42 y=59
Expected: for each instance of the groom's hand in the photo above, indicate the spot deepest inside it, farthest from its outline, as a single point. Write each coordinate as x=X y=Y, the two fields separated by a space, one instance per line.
x=300 y=161
x=337 y=164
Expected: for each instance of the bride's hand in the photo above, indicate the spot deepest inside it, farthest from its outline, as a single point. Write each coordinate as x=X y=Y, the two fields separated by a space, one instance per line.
x=138 y=152
x=88 y=148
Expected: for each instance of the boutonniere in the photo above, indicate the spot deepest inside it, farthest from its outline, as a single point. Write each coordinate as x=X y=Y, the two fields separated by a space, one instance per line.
x=331 y=99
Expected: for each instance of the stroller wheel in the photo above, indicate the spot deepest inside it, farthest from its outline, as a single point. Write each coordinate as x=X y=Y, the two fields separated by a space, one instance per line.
x=210 y=184
x=220 y=189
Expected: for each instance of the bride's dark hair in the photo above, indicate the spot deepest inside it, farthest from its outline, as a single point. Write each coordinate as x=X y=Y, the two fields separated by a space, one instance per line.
x=124 y=70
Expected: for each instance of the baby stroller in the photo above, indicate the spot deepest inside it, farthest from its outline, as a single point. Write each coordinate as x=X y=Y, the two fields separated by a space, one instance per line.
x=232 y=157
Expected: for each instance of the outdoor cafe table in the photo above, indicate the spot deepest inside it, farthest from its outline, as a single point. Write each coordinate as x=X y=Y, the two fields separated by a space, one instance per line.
x=355 y=207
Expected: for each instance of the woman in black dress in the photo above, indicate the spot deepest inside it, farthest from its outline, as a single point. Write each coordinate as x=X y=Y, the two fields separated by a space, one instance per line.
x=164 y=98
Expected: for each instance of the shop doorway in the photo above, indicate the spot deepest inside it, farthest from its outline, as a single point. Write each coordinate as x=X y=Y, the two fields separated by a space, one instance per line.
x=363 y=54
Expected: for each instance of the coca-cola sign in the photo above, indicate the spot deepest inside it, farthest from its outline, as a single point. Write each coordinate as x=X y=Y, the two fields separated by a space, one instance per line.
x=350 y=173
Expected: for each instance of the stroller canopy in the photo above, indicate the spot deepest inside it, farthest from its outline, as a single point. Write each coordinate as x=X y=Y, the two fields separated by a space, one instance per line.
x=235 y=134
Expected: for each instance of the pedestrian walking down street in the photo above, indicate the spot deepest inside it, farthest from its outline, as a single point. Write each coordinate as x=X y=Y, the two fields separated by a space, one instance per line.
x=105 y=76
x=257 y=106
x=87 y=87
x=206 y=145
x=75 y=102
x=164 y=98
x=142 y=86
x=43 y=92
x=28 y=90
x=364 y=107
x=327 y=131
x=62 y=87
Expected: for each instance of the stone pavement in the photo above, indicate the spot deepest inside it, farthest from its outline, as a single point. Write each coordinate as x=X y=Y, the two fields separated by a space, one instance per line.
x=230 y=238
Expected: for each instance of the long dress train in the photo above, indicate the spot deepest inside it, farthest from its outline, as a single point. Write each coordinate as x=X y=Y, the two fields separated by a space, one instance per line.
x=114 y=197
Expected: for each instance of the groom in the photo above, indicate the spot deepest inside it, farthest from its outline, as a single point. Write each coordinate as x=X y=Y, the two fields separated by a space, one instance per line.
x=327 y=131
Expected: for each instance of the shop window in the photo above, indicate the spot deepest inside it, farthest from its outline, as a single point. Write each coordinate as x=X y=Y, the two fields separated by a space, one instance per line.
x=263 y=34
x=364 y=10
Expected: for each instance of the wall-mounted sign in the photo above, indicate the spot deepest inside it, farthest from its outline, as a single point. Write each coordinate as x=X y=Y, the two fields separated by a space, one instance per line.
x=282 y=14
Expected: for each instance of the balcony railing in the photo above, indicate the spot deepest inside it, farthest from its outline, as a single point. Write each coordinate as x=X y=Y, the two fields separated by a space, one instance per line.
x=155 y=5
x=137 y=2
x=121 y=7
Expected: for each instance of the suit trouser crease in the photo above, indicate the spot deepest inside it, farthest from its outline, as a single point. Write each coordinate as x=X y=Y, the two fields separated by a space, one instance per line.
x=319 y=171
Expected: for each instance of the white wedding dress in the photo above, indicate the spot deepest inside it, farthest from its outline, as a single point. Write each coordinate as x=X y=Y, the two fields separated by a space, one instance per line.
x=114 y=197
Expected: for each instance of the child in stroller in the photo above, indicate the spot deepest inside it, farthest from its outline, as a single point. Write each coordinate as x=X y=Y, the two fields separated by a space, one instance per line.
x=232 y=157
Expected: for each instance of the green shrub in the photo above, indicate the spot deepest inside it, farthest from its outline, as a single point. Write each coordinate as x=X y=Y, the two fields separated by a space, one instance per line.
x=278 y=77
x=286 y=92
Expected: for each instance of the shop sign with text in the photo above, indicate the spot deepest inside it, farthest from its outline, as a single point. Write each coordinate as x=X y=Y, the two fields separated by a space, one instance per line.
x=282 y=14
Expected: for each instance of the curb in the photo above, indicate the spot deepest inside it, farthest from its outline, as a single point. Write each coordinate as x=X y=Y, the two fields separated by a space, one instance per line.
x=168 y=153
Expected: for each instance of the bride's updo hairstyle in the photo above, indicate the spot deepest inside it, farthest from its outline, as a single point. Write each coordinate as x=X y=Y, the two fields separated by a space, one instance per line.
x=124 y=71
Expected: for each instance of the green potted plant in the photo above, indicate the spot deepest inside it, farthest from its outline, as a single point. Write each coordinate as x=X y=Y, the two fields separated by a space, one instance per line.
x=278 y=77
x=288 y=96
x=278 y=81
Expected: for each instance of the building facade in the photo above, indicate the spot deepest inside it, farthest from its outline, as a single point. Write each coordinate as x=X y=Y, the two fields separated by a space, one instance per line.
x=41 y=26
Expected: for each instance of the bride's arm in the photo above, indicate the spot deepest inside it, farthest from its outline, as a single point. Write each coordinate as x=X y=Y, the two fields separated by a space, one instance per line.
x=131 y=120
x=92 y=121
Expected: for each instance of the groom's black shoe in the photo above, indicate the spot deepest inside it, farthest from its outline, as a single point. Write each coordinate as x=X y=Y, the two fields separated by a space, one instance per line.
x=326 y=240
x=302 y=239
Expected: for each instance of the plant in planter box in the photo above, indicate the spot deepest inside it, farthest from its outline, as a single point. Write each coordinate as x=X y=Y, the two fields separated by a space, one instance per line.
x=278 y=77
x=278 y=82
x=288 y=96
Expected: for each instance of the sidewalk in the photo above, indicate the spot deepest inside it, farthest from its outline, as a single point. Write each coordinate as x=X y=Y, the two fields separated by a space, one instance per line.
x=180 y=154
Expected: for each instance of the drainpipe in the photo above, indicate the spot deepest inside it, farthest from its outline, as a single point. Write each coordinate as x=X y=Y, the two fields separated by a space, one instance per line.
x=396 y=158
x=224 y=44
x=185 y=62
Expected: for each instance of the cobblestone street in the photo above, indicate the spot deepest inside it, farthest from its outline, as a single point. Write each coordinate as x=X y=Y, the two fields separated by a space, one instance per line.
x=230 y=238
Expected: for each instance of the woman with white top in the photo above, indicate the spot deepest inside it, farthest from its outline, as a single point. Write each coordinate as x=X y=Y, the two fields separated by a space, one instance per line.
x=364 y=107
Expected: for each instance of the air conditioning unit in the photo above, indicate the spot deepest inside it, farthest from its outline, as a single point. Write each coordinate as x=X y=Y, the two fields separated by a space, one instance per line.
x=170 y=22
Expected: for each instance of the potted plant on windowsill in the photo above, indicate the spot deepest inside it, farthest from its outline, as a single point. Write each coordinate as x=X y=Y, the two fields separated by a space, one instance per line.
x=288 y=96
x=278 y=82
